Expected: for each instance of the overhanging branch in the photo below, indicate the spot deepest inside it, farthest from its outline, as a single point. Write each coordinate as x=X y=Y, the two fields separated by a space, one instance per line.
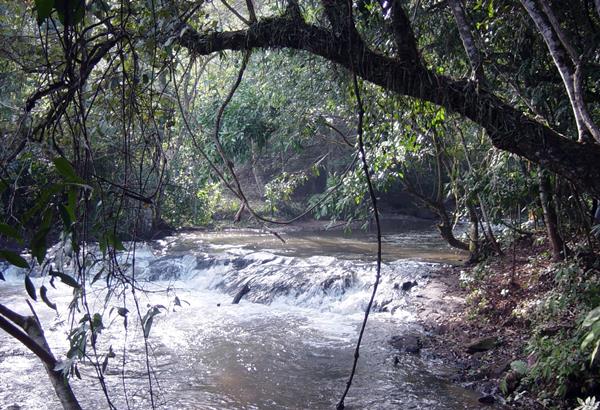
x=508 y=128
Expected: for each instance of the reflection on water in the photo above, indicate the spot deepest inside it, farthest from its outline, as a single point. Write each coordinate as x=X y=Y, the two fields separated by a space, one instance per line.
x=293 y=353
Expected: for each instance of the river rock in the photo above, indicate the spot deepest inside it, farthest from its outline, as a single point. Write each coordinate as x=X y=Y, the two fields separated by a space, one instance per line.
x=488 y=399
x=406 y=286
x=482 y=345
x=407 y=343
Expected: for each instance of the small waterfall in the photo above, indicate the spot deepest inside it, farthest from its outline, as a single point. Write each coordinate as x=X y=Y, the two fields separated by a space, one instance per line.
x=326 y=283
x=319 y=282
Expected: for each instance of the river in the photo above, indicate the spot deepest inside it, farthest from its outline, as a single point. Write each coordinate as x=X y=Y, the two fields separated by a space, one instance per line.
x=287 y=345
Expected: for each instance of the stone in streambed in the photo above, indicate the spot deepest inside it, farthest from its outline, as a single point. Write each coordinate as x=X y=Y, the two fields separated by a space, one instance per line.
x=407 y=343
x=482 y=345
x=488 y=399
x=406 y=286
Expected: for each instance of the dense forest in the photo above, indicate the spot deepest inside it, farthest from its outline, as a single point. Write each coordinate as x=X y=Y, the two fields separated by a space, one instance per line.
x=126 y=123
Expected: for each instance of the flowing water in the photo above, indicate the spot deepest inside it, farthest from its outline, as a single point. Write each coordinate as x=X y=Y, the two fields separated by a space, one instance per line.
x=287 y=345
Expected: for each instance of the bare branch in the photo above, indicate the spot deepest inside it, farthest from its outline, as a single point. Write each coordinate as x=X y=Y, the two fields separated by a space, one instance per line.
x=566 y=61
x=23 y=337
x=464 y=29
x=236 y=13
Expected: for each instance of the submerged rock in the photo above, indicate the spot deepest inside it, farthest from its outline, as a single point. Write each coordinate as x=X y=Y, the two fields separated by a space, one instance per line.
x=407 y=343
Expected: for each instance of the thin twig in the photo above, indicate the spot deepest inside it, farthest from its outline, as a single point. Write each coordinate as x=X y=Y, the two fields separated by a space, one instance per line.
x=365 y=167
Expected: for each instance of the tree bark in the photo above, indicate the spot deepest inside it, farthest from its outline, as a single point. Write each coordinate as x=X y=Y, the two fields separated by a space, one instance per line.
x=508 y=129
x=473 y=233
x=61 y=385
x=566 y=61
x=445 y=224
x=557 y=244
x=467 y=39
x=32 y=337
x=445 y=228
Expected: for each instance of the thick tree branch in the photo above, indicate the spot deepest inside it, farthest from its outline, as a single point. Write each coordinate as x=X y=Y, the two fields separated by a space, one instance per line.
x=508 y=128
x=251 y=12
x=23 y=337
x=32 y=337
x=403 y=33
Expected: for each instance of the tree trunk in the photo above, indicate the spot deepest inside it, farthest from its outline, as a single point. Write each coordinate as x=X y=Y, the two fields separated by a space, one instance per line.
x=488 y=232
x=566 y=61
x=557 y=244
x=473 y=233
x=445 y=224
x=445 y=228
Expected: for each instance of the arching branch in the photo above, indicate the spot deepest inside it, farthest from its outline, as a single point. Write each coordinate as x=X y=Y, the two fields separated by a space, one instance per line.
x=508 y=128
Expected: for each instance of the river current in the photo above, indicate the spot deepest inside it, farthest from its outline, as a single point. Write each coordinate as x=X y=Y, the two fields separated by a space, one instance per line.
x=288 y=344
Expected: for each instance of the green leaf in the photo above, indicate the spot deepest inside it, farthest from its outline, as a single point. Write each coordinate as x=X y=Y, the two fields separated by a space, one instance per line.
x=594 y=352
x=70 y=12
x=503 y=387
x=76 y=371
x=38 y=245
x=64 y=168
x=520 y=367
x=44 y=295
x=592 y=317
x=43 y=9
x=97 y=276
x=103 y=245
x=14 y=259
x=104 y=364
x=65 y=216
x=97 y=322
x=42 y=201
x=30 y=287
x=115 y=242
x=66 y=279
x=9 y=231
x=149 y=318
x=72 y=202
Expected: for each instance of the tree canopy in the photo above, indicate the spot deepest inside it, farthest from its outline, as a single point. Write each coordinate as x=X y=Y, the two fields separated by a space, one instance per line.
x=123 y=118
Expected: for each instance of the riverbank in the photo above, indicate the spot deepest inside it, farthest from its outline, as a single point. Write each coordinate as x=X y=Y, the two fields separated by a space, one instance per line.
x=509 y=328
x=478 y=351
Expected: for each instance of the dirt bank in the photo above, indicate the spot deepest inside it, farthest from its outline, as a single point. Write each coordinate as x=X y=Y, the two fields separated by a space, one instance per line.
x=473 y=329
